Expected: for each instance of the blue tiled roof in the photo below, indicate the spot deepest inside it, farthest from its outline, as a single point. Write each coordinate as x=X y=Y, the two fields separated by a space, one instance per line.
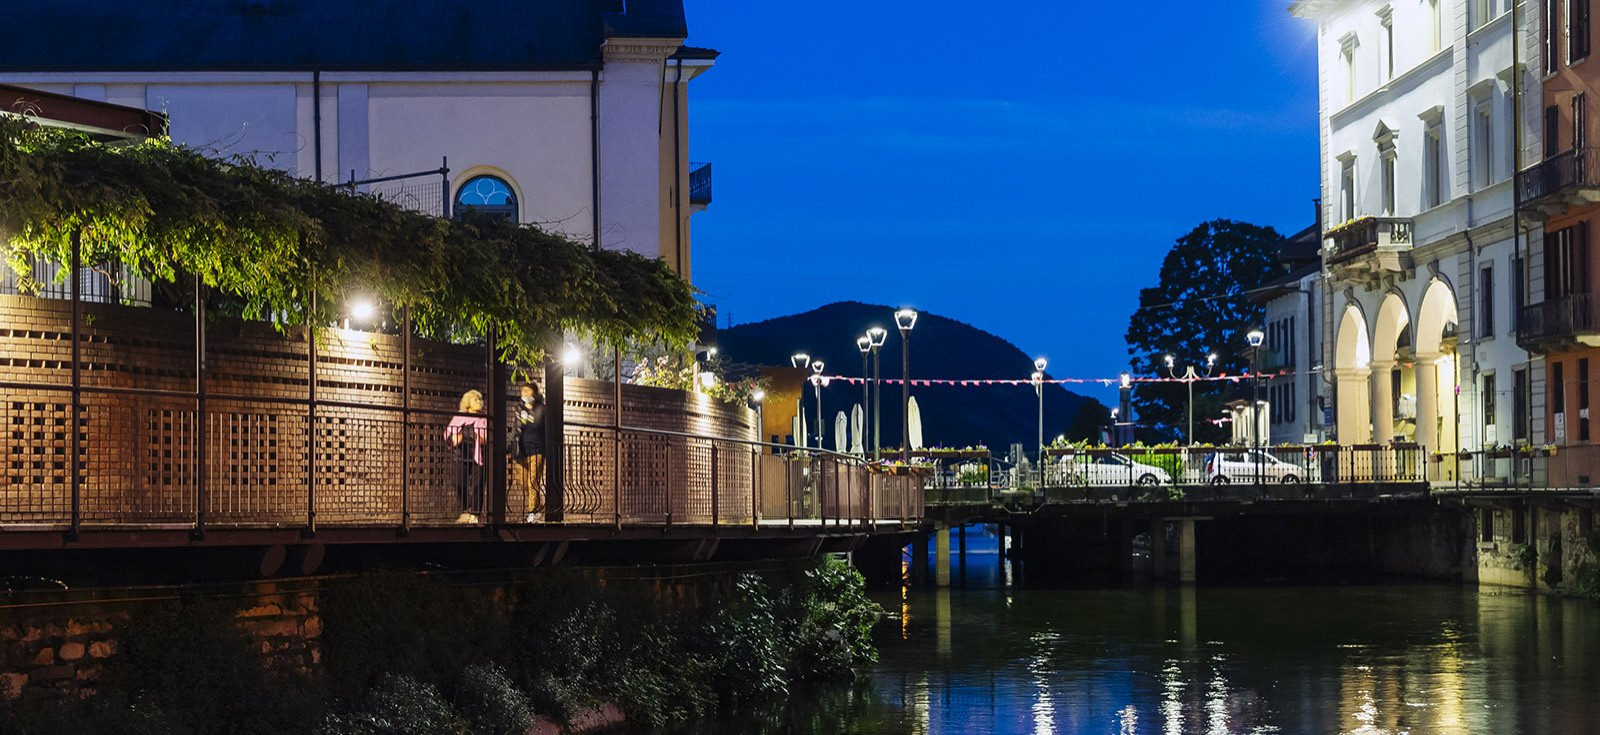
x=196 y=35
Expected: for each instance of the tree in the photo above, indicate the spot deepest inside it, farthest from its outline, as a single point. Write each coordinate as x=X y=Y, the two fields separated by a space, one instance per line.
x=1200 y=306
x=1092 y=416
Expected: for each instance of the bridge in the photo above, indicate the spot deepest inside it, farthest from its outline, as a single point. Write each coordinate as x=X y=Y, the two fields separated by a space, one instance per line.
x=132 y=427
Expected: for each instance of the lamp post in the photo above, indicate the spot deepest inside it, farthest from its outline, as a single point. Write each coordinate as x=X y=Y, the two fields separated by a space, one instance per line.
x=864 y=343
x=756 y=397
x=1126 y=404
x=799 y=360
x=878 y=335
x=1189 y=377
x=1039 y=364
x=1256 y=337
x=817 y=381
x=905 y=319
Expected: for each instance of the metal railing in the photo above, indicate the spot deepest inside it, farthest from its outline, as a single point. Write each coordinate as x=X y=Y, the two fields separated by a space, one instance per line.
x=426 y=192
x=1578 y=167
x=1191 y=473
x=1558 y=318
x=699 y=183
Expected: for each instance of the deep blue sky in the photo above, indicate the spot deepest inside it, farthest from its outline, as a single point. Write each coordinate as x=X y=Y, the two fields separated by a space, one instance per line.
x=1022 y=166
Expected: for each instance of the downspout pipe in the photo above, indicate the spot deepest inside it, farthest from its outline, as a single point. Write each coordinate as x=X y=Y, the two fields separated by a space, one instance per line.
x=594 y=151
x=316 y=122
x=678 y=192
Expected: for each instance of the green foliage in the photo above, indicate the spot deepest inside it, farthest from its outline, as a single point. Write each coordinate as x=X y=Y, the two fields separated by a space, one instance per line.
x=1199 y=306
x=835 y=620
x=269 y=241
x=398 y=705
x=491 y=702
x=1586 y=576
x=1088 y=421
x=1523 y=556
x=748 y=643
x=1171 y=463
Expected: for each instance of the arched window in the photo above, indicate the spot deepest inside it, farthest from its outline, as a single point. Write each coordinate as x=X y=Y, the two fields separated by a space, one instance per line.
x=487 y=194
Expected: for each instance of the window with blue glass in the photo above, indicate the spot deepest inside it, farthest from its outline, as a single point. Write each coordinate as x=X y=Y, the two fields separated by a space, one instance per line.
x=489 y=195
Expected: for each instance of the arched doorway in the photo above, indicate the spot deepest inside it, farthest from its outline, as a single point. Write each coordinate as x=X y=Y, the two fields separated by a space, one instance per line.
x=1393 y=379
x=1438 y=429
x=1352 y=360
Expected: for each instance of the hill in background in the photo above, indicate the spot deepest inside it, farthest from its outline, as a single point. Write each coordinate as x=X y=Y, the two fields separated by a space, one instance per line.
x=952 y=416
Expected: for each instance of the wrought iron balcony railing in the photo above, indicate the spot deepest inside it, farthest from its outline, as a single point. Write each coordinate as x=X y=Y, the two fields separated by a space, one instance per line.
x=700 y=183
x=1561 y=319
x=1578 y=168
x=1367 y=234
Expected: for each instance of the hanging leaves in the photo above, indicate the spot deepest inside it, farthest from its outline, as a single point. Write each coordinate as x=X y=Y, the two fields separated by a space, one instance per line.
x=270 y=240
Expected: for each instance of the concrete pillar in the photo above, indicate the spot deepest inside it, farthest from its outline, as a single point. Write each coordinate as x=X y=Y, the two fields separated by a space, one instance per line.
x=919 y=560
x=1354 y=425
x=961 y=551
x=1158 y=548
x=1186 y=565
x=1428 y=402
x=1382 y=401
x=941 y=556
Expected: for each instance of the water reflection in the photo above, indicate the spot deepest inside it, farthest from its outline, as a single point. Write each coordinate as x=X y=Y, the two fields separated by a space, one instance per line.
x=1370 y=660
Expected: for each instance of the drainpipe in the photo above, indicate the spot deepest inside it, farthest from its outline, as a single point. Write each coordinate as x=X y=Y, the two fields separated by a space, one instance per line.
x=677 y=173
x=316 y=121
x=594 y=150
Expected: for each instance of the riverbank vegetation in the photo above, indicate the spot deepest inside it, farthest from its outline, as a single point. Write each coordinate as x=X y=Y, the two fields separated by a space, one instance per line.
x=404 y=653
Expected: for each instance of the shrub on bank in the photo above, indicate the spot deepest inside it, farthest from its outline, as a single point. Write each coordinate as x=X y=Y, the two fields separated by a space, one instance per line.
x=408 y=653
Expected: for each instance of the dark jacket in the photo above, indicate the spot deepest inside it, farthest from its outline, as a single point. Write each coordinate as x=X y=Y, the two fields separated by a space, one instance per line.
x=529 y=439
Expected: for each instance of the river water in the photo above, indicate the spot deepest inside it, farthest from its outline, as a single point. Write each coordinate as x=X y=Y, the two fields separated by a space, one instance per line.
x=1391 y=659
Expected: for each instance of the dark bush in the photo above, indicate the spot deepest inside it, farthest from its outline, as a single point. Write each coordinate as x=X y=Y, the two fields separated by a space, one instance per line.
x=405 y=623
x=398 y=705
x=491 y=702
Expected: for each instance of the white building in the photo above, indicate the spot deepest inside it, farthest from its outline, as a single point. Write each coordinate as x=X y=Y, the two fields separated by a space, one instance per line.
x=1418 y=165
x=1296 y=394
x=571 y=114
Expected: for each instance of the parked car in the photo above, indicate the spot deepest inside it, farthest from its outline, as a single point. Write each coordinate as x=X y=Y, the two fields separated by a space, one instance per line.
x=1242 y=466
x=1111 y=468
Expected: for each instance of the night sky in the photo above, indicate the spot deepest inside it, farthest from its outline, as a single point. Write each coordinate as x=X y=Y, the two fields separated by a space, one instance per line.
x=1022 y=166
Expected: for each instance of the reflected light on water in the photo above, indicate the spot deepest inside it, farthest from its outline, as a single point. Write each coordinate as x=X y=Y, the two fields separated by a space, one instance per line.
x=1217 y=703
x=1128 y=720
x=1171 y=697
x=1044 y=707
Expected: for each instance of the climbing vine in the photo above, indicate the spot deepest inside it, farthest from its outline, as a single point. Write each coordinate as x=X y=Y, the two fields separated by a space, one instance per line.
x=271 y=240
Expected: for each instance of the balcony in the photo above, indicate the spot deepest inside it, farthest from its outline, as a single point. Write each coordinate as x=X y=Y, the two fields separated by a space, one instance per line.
x=1567 y=179
x=700 y=184
x=1557 y=325
x=1388 y=238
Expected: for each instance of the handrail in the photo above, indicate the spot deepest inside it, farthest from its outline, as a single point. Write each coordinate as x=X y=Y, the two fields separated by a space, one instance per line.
x=735 y=440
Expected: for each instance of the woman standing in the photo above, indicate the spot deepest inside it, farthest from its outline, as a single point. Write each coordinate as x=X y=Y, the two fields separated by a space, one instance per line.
x=529 y=447
x=467 y=432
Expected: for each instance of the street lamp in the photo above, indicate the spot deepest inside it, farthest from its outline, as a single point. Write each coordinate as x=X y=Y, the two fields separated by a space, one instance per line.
x=1039 y=365
x=864 y=343
x=905 y=319
x=800 y=360
x=817 y=381
x=878 y=335
x=1255 y=337
x=757 y=396
x=1126 y=403
x=1189 y=377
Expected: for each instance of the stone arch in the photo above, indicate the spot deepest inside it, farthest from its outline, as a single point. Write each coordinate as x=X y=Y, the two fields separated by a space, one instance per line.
x=1436 y=369
x=1353 y=348
x=1391 y=328
x=1436 y=313
x=1352 y=356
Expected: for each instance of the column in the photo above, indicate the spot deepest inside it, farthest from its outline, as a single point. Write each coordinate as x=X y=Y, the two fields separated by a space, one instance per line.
x=1382 y=401
x=1158 y=548
x=1428 y=402
x=1352 y=406
x=941 y=556
x=1186 y=562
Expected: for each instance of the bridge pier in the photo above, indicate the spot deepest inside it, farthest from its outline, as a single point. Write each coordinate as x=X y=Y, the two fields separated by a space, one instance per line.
x=941 y=555
x=1186 y=549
